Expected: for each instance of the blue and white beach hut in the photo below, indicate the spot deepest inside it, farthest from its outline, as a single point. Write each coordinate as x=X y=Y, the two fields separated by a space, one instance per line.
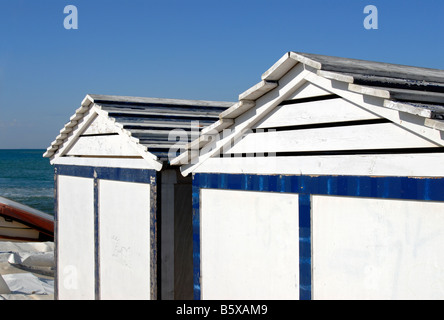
x=123 y=214
x=328 y=184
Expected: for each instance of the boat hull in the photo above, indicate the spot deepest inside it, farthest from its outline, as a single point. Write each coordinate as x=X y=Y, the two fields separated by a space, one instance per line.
x=22 y=223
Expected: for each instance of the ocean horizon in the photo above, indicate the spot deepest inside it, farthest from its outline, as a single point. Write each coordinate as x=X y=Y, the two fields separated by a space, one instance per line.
x=28 y=178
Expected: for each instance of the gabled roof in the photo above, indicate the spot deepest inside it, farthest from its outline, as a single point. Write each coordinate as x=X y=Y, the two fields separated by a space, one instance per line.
x=420 y=89
x=146 y=121
x=411 y=90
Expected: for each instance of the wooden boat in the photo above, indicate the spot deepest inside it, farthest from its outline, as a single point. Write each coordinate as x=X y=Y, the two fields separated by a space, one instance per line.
x=19 y=222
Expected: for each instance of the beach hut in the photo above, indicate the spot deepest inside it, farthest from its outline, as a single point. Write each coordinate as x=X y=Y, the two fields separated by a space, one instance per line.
x=123 y=215
x=328 y=185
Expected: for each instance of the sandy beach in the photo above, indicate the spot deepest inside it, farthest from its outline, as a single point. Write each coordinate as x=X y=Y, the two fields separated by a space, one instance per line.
x=26 y=270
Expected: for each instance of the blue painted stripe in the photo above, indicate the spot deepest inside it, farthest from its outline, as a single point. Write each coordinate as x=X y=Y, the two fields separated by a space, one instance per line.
x=430 y=189
x=96 y=241
x=305 y=247
x=196 y=238
x=405 y=188
x=56 y=232
x=117 y=174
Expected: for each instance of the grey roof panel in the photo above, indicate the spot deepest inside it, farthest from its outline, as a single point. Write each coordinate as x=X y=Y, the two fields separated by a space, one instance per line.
x=151 y=120
x=381 y=69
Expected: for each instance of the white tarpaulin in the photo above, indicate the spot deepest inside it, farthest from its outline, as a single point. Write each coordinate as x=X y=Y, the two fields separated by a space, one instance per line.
x=4 y=289
x=36 y=262
x=26 y=270
x=28 y=283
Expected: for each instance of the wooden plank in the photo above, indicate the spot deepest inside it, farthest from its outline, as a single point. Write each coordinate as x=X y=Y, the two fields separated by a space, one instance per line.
x=292 y=81
x=376 y=92
x=100 y=125
x=323 y=111
x=124 y=242
x=218 y=126
x=306 y=59
x=207 y=135
x=237 y=109
x=308 y=90
x=280 y=68
x=145 y=100
x=376 y=105
x=405 y=107
x=411 y=165
x=83 y=123
x=101 y=146
x=399 y=94
x=423 y=110
x=384 y=239
x=75 y=212
x=142 y=150
x=336 y=76
x=381 y=69
x=435 y=124
x=258 y=90
x=153 y=113
x=359 y=137
x=104 y=162
x=153 y=125
x=249 y=228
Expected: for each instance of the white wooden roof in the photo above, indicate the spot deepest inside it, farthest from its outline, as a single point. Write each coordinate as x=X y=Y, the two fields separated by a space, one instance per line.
x=145 y=122
x=373 y=86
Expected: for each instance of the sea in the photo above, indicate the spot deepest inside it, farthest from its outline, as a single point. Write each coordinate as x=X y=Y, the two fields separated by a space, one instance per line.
x=28 y=178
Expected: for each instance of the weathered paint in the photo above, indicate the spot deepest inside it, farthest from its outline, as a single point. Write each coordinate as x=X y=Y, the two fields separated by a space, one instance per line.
x=125 y=251
x=250 y=245
x=403 y=188
x=144 y=176
x=369 y=248
x=305 y=246
x=56 y=272
x=75 y=247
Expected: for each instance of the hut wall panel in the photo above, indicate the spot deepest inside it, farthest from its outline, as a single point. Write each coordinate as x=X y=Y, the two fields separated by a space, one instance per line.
x=308 y=90
x=102 y=145
x=124 y=244
x=355 y=137
x=75 y=238
x=100 y=125
x=249 y=245
x=413 y=165
x=323 y=111
x=377 y=248
x=104 y=162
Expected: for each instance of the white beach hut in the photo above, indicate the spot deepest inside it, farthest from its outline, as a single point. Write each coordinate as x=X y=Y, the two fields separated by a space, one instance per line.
x=325 y=181
x=123 y=214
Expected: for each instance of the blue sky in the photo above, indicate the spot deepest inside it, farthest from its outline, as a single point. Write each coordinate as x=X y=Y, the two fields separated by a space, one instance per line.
x=210 y=50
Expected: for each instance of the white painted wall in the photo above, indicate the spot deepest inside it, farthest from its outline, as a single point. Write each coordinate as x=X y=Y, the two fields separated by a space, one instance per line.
x=393 y=165
x=75 y=238
x=115 y=145
x=124 y=222
x=377 y=249
x=249 y=245
x=323 y=111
